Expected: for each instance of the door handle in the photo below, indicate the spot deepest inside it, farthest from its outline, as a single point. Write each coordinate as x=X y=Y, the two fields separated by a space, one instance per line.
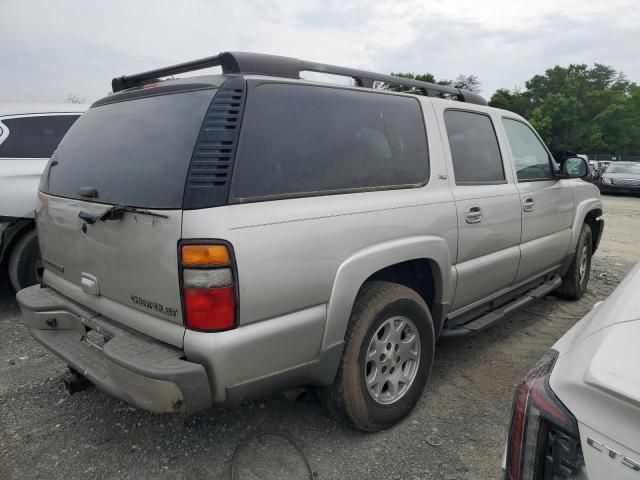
x=528 y=204
x=473 y=214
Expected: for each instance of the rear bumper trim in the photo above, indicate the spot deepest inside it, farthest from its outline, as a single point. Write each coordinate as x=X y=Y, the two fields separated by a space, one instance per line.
x=130 y=366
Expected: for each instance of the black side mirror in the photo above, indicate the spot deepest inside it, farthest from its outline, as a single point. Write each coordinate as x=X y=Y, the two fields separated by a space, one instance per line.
x=574 y=167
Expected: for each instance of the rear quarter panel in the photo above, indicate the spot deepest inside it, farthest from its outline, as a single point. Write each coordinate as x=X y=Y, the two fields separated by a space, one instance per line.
x=289 y=252
x=300 y=264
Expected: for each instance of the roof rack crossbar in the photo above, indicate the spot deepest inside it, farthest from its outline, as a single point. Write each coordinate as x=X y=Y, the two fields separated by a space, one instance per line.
x=275 y=65
x=128 y=81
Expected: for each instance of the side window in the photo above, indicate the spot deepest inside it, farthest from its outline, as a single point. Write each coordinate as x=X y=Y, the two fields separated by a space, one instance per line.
x=474 y=148
x=34 y=137
x=301 y=140
x=529 y=155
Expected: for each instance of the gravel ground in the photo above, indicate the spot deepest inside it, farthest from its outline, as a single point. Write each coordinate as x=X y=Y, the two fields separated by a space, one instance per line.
x=46 y=434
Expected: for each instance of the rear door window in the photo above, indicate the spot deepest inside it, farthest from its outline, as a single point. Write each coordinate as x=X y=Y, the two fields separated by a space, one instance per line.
x=135 y=152
x=34 y=137
x=301 y=140
x=474 y=148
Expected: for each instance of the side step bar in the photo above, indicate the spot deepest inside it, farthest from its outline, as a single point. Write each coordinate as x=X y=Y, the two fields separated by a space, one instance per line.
x=488 y=319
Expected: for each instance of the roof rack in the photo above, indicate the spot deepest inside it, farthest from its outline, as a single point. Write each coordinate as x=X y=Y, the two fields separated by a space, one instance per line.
x=275 y=65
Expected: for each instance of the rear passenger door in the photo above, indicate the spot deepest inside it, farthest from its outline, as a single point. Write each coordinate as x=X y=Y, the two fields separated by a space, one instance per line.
x=488 y=207
x=547 y=203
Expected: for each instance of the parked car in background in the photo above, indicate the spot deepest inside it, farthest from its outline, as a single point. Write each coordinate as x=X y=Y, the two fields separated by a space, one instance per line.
x=621 y=177
x=29 y=133
x=576 y=415
x=222 y=237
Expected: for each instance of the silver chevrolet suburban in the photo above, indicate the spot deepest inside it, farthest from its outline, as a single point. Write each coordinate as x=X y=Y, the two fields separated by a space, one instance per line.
x=217 y=238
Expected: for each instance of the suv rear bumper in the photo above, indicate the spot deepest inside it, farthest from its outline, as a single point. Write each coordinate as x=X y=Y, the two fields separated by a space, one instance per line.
x=135 y=368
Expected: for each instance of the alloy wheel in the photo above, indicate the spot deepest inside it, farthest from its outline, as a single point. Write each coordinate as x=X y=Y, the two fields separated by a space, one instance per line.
x=392 y=360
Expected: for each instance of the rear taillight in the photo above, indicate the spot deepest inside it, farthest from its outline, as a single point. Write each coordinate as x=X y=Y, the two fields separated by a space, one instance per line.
x=208 y=286
x=544 y=442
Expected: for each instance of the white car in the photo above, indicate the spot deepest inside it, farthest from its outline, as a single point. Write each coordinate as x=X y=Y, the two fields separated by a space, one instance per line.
x=576 y=415
x=29 y=133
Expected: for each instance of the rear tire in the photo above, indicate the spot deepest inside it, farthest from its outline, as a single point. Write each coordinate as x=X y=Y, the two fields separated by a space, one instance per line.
x=25 y=266
x=387 y=358
x=574 y=282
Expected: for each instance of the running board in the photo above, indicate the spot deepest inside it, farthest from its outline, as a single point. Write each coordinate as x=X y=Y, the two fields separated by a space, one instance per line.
x=488 y=319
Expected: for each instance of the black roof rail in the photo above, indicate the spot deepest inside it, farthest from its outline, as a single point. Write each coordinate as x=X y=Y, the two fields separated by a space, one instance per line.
x=278 y=66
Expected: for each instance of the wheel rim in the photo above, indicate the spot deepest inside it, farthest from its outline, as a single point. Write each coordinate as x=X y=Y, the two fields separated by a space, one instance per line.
x=392 y=360
x=583 y=262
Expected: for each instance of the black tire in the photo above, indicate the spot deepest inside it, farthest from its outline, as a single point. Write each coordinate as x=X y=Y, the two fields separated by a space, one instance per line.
x=574 y=283
x=24 y=262
x=348 y=399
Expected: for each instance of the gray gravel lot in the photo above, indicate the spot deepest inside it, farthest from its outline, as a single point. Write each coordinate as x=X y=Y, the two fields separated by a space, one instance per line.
x=46 y=434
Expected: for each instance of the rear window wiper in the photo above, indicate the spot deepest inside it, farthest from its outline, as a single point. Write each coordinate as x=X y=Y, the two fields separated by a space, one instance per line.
x=116 y=213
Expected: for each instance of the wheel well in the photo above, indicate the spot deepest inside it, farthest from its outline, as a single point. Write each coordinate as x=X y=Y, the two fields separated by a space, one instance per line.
x=415 y=274
x=12 y=234
x=595 y=226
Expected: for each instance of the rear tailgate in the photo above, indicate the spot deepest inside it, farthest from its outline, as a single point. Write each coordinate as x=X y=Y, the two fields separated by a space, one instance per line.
x=133 y=153
x=126 y=269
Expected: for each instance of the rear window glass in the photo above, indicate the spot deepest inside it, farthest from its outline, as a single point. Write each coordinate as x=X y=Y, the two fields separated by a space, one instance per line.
x=474 y=148
x=135 y=152
x=300 y=140
x=34 y=137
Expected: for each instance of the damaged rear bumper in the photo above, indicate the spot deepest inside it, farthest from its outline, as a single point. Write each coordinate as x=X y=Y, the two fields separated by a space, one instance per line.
x=130 y=366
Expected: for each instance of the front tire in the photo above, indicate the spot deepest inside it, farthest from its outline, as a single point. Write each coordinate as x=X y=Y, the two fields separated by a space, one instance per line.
x=25 y=266
x=389 y=346
x=574 y=282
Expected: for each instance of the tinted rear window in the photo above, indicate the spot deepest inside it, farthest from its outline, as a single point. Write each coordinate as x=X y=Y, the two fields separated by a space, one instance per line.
x=474 y=148
x=34 y=137
x=134 y=153
x=304 y=140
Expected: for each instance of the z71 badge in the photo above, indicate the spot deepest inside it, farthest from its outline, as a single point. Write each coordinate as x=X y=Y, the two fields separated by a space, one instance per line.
x=156 y=307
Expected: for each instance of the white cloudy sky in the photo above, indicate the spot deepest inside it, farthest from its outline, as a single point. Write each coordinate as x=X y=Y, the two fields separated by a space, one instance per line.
x=49 y=49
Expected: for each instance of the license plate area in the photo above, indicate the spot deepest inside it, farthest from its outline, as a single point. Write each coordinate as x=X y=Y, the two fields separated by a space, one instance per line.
x=96 y=339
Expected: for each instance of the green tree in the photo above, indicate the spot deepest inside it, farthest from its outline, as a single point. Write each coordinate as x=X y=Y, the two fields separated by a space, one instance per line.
x=73 y=98
x=467 y=82
x=579 y=108
x=512 y=100
x=425 y=77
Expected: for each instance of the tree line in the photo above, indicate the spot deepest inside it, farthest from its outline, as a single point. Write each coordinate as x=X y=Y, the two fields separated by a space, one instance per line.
x=580 y=108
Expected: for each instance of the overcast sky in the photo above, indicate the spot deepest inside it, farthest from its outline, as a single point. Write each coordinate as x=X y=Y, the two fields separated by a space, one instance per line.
x=49 y=49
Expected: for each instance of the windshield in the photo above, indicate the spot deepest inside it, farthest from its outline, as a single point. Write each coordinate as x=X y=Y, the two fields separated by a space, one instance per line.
x=632 y=168
x=134 y=152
